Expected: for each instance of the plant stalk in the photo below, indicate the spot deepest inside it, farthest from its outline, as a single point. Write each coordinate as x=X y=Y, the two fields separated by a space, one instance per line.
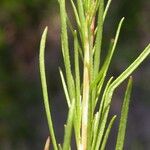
x=86 y=89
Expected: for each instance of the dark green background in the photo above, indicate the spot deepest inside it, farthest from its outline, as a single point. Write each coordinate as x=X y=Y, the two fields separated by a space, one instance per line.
x=22 y=117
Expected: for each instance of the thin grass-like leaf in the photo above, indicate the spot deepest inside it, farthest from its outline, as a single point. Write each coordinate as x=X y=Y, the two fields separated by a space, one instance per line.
x=101 y=125
x=106 y=64
x=131 y=68
x=44 y=87
x=68 y=128
x=108 y=59
x=106 y=9
x=95 y=122
x=104 y=95
x=98 y=41
x=120 y=79
x=97 y=48
x=124 y=115
x=77 y=75
x=96 y=126
x=107 y=133
x=81 y=17
x=103 y=69
x=76 y=13
x=65 y=47
x=65 y=87
x=77 y=72
x=81 y=53
x=77 y=121
x=124 y=75
x=70 y=25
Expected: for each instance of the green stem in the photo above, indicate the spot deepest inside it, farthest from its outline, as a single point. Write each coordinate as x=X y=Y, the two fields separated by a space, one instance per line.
x=86 y=87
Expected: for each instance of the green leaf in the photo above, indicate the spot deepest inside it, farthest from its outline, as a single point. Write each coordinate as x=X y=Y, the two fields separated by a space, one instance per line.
x=68 y=127
x=77 y=72
x=77 y=88
x=65 y=87
x=106 y=9
x=123 y=76
x=102 y=74
x=70 y=25
x=97 y=49
x=44 y=87
x=123 y=119
x=100 y=132
x=97 y=133
x=117 y=82
x=65 y=49
x=98 y=41
x=76 y=14
x=108 y=59
x=82 y=18
x=107 y=133
x=131 y=68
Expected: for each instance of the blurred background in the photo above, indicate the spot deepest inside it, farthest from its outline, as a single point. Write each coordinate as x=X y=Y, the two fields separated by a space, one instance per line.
x=23 y=123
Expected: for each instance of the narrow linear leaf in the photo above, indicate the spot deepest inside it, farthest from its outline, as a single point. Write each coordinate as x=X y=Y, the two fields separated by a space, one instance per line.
x=70 y=25
x=64 y=87
x=77 y=72
x=124 y=75
x=68 y=128
x=44 y=87
x=106 y=9
x=76 y=124
x=98 y=41
x=81 y=17
x=131 y=68
x=108 y=59
x=124 y=115
x=107 y=133
x=106 y=64
x=104 y=95
x=98 y=82
x=81 y=53
x=97 y=47
x=65 y=49
x=102 y=126
x=77 y=81
x=99 y=116
x=95 y=122
x=77 y=117
x=120 y=79
x=76 y=14
x=101 y=76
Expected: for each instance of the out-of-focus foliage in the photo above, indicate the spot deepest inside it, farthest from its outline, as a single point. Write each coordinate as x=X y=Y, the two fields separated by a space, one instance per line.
x=20 y=23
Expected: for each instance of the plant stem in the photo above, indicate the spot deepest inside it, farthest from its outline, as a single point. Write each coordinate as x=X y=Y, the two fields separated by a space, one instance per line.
x=86 y=87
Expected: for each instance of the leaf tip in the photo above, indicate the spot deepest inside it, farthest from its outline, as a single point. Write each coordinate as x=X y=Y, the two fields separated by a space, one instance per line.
x=45 y=30
x=47 y=144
